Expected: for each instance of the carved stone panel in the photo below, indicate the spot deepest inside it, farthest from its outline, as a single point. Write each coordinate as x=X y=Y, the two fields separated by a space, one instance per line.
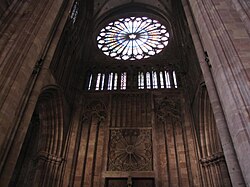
x=130 y=150
x=168 y=107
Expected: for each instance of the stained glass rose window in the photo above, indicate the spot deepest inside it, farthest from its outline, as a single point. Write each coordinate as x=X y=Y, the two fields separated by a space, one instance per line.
x=133 y=38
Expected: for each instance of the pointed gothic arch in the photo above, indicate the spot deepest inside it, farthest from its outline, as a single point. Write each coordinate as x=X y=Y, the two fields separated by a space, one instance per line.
x=43 y=43
x=210 y=153
x=42 y=154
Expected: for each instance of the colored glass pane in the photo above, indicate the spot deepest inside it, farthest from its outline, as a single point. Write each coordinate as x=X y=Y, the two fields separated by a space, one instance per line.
x=133 y=38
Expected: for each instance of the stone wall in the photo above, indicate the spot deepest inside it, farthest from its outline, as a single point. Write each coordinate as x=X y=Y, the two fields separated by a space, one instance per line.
x=29 y=34
x=137 y=135
x=218 y=27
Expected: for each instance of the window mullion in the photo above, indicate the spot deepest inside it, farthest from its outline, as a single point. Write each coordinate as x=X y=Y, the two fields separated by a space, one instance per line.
x=158 y=79
x=151 y=80
x=144 y=80
x=119 y=74
x=106 y=81
x=171 y=79
x=93 y=85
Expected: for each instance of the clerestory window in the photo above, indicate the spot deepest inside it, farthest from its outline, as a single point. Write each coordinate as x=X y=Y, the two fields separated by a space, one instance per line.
x=108 y=81
x=145 y=80
x=74 y=12
x=167 y=79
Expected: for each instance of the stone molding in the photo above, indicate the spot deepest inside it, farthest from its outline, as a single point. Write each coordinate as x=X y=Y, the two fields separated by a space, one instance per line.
x=48 y=157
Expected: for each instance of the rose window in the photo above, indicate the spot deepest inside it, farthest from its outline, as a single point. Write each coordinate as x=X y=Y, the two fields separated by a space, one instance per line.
x=133 y=38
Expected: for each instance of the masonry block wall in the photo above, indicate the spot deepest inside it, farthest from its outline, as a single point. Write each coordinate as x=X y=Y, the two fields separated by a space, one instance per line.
x=192 y=142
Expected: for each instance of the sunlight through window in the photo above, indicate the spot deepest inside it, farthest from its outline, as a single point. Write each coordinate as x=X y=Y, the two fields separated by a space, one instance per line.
x=133 y=38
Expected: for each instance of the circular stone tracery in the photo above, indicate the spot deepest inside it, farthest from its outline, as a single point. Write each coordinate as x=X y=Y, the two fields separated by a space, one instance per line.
x=130 y=149
x=133 y=38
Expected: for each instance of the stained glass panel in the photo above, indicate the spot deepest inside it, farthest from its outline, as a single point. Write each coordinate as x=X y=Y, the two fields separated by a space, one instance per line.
x=133 y=38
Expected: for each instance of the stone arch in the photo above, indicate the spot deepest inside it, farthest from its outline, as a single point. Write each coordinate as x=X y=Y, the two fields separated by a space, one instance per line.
x=42 y=156
x=211 y=156
x=50 y=108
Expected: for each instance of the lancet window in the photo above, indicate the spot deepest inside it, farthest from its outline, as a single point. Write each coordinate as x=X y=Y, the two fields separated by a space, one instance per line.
x=122 y=81
x=74 y=12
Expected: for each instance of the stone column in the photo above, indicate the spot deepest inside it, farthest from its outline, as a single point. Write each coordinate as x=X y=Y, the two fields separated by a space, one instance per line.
x=26 y=35
x=226 y=81
x=47 y=172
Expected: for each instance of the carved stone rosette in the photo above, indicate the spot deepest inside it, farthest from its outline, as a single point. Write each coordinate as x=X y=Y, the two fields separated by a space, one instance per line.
x=130 y=150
